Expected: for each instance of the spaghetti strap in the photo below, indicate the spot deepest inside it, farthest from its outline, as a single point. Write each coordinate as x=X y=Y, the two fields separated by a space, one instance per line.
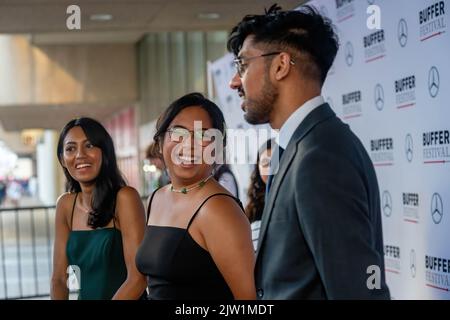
x=73 y=209
x=201 y=205
x=114 y=212
x=150 y=204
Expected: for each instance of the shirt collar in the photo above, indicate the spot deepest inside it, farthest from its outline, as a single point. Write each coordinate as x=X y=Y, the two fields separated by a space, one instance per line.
x=294 y=120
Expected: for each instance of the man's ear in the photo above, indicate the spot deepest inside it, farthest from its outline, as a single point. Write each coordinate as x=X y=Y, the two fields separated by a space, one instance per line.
x=283 y=65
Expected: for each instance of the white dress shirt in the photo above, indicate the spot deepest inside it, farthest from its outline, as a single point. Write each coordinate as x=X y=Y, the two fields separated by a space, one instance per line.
x=294 y=120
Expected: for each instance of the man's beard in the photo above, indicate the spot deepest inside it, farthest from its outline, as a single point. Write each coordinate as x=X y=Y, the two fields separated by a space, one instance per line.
x=258 y=110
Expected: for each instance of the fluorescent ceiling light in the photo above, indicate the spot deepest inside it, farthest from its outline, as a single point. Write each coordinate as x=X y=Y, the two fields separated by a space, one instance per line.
x=208 y=15
x=101 y=17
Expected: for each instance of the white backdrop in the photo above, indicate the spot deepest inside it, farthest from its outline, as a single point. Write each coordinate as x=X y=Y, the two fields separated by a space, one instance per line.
x=392 y=87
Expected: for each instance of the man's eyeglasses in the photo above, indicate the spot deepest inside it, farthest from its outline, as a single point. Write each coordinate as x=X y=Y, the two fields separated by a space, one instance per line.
x=180 y=134
x=241 y=63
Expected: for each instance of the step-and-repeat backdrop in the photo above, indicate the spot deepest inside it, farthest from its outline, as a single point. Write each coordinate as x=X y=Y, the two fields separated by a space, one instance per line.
x=392 y=86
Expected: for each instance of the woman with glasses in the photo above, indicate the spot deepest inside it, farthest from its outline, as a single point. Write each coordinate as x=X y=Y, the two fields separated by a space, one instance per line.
x=257 y=190
x=198 y=241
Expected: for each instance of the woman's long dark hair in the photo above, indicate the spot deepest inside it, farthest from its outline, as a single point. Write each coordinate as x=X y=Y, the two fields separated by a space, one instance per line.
x=257 y=190
x=109 y=180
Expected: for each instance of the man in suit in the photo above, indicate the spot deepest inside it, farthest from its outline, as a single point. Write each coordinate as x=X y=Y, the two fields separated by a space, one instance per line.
x=321 y=232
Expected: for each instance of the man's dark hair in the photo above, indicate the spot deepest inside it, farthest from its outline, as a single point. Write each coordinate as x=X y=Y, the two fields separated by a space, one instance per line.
x=303 y=33
x=109 y=180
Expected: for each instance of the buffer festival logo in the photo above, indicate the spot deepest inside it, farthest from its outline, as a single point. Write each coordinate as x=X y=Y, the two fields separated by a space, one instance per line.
x=432 y=21
x=382 y=151
x=345 y=10
x=405 y=92
x=374 y=46
x=352 y=104
x=410 y=207
x=392 y=259
x=436 y=147
x=386 y=203
x=437 y=272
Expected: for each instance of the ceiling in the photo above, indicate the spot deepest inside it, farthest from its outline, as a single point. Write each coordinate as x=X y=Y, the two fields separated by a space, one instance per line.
x=21 y=117
x=46 y=19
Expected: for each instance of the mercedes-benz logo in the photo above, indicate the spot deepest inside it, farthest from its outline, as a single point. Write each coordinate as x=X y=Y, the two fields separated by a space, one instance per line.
x=412 y=263
x=349 y=53
x=387 y=203
x=433 y=81
x=402 y=32
x=437 y=208
x=409 y=147
x=379 y=97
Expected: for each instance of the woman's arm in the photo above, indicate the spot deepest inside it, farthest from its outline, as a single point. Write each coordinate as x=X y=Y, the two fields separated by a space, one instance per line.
x=227 y=235
x=130 y=213
x=58 y=287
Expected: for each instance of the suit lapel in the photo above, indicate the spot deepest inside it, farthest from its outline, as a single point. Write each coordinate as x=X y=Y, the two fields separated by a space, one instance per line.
x=318 y=115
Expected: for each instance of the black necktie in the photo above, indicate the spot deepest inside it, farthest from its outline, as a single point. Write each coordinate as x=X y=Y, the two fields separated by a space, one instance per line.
x=275 y=165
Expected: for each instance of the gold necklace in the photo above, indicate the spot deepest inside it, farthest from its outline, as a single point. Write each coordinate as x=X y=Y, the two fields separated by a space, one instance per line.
x=185 y=190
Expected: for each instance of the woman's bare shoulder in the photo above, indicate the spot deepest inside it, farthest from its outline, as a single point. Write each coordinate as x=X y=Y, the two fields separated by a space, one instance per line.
x=222 y=209
x=64 y=205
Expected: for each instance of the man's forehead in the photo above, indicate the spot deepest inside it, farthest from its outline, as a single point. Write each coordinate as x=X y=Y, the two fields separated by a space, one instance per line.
x=249 y=45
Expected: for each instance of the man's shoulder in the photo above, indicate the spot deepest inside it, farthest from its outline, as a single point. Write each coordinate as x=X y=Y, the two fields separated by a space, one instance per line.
x=331 y=140
x=330 y=134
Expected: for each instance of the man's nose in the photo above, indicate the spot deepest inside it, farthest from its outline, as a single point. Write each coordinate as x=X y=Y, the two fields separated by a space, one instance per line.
x=235 y=82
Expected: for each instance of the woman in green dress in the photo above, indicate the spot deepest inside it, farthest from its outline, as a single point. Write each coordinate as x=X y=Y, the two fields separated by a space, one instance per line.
x=100 y=221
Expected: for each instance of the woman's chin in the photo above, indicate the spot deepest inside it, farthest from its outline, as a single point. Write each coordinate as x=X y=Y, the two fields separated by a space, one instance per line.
x=186 y=172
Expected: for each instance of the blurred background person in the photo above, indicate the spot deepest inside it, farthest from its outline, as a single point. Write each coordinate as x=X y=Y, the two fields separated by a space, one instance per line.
x=227 y=179
x=14 y=193
x=33 y=186
x=159 y=178
x=2 y=191
x=257 y=190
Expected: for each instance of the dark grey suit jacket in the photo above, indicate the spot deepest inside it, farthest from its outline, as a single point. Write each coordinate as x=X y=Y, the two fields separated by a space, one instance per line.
x=321 y=226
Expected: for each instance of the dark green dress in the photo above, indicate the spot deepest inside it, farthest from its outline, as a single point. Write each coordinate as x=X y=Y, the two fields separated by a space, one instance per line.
x=99 y=256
